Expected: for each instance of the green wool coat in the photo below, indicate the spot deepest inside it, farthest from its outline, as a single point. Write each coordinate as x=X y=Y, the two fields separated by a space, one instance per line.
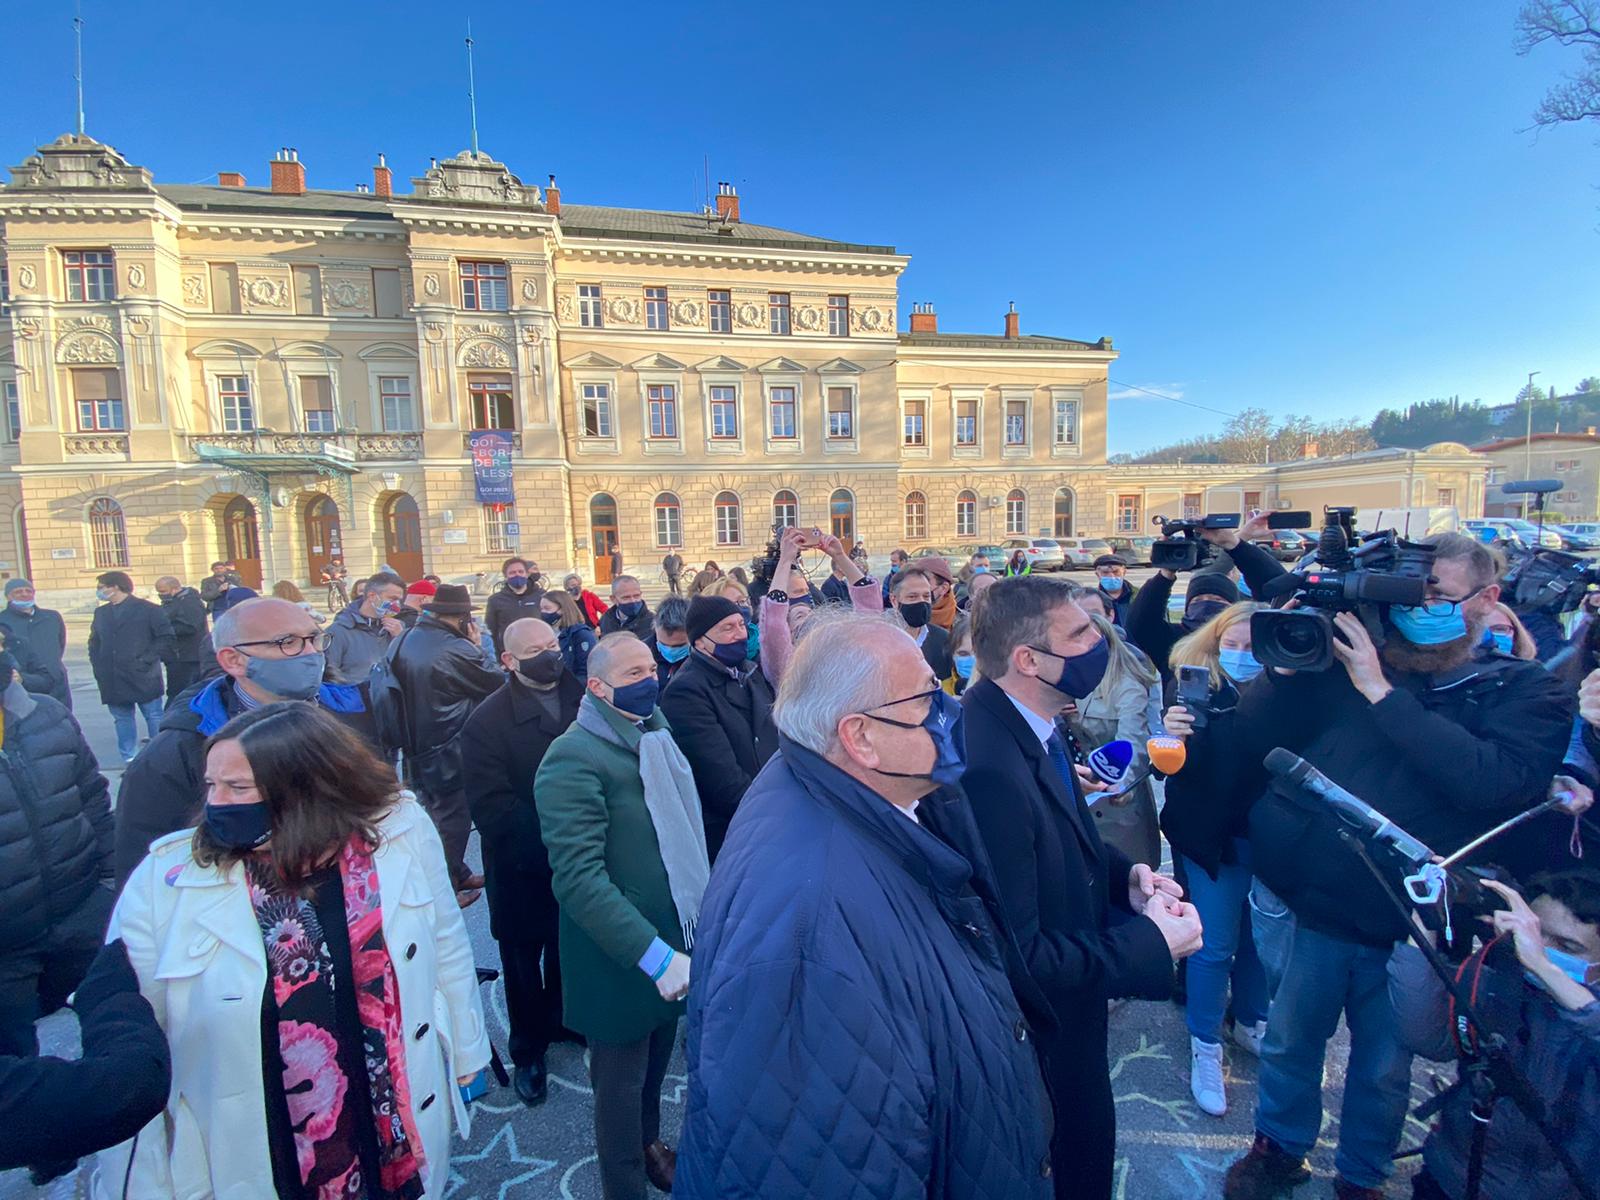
x=609 y=881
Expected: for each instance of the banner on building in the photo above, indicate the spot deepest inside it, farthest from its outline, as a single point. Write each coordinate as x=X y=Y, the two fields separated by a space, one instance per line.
x=491 y=466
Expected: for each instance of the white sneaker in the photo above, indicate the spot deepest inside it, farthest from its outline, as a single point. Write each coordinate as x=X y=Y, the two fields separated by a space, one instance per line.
x=1249 y=1037
x=1205 y=1077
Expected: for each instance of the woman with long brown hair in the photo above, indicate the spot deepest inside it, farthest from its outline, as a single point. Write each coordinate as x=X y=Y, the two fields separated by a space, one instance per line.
x=303 y=950
x=572 y=630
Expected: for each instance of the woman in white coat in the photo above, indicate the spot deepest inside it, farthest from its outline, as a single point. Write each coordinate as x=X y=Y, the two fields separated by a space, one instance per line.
x=305 y=954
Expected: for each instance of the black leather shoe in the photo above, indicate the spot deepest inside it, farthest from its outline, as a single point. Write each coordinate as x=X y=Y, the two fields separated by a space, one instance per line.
x=530 y=1083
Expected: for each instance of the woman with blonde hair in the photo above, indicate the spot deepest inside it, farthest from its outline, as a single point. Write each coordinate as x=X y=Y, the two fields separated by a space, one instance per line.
x=1506 y=634
x=573 y=634
x=286 y=590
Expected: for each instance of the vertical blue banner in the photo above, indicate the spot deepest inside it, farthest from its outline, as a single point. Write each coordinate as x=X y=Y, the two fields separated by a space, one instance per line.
x=491 y=466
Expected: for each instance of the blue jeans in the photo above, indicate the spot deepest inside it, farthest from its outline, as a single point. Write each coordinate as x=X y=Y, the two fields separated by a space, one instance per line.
x=128 y=728
x=1314 y=978
x=1229 y=952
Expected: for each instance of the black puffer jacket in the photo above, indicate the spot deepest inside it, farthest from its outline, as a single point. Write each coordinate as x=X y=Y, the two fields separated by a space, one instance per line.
x=38 y=639
x=55 y=819
x=445 y=677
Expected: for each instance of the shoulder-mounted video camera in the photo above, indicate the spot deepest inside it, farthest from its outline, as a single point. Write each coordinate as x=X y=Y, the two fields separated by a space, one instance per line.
x=1181 y=548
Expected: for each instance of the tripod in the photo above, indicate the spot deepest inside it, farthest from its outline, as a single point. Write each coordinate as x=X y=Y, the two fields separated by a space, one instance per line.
x=1489 y=1072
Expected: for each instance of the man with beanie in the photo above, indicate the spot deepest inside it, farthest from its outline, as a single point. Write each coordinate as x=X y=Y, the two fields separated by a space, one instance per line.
x=38 y=641
x=628 y=612
x=720 y=707
x=518 y=597
x=620 y=816
x=418 y=594
x=444 y=675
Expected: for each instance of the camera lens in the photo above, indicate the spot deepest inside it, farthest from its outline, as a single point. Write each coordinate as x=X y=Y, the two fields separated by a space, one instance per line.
x=1293 y=641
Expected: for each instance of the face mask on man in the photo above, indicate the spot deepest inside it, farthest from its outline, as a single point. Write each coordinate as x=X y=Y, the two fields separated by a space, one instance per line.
x=24 y=605
x=674 y=654
x=637 y=699
x=630 y=609
x=241 y=828
x=544 y=667
x=516 y=582
x=388 y=608
x=917 y=613
x=944 y=728
x=296 y=678
x=1422 y=627
x=1574 y=968
x=731 y=654
x=1110 y=583
x=1080 y=673
x=102 y=594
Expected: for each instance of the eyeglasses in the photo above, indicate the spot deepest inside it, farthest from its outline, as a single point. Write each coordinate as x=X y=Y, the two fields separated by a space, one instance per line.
x=1444 y=606
x=292 y=645
x=869 y=712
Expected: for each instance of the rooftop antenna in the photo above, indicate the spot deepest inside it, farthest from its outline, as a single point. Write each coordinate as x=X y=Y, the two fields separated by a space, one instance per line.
x=77 y=74
x=472 y=91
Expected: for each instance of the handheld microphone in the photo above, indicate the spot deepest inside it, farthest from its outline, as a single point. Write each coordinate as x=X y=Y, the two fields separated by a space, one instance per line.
x=1291 y=767
x=1110 y=763
x=1167 y=755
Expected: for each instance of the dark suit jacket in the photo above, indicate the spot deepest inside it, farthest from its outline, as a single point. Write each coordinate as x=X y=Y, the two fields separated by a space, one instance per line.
x=1058 y=885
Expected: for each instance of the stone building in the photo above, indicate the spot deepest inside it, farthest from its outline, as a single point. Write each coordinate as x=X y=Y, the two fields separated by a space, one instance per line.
x=1573 y=459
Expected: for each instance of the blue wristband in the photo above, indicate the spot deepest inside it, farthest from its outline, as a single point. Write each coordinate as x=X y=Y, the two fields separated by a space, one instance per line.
x=662 y=969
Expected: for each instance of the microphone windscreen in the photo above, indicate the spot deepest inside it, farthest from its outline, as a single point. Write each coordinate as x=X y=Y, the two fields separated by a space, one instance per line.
x=1111 y=761
x=1167 y=754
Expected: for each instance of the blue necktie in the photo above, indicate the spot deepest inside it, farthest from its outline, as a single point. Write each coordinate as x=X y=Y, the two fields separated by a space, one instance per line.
x=1058 y=756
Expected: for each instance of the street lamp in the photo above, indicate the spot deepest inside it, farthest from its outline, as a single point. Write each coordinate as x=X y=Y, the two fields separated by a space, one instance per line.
x=1527 y=446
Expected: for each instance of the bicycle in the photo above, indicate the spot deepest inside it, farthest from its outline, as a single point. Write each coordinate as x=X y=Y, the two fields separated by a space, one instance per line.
x=338 y=595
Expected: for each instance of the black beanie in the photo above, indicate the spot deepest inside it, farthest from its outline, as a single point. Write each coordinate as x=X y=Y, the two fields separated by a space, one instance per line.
x=705 y=613
x=1212 y=583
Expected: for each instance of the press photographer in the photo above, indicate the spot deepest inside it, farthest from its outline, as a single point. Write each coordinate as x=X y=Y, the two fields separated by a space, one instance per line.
x=1445 y=744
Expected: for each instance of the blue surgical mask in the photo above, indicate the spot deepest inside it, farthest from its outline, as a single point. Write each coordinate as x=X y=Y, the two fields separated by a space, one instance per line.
x=296 y=678
x=24 y=605
x=1110 y=583
x=637 y=699
x=964 y=664
x=239 y=827
x=1499 y=640
x=1239 y=665
x=102 y=594
x=944 y=727
x=1570 y=965
x=1423 y=628
x=674 y=654
x=980 y=570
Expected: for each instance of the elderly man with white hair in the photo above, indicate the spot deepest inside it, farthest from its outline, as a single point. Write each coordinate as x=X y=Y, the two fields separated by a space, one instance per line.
x=853 y=1025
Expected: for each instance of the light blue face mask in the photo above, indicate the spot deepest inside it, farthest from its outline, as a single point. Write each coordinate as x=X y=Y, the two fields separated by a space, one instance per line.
x=24 y=605
x=1110 y=583
x=1423 y=628
x=1239 y=665
x=964 y=664
x=674 y=654
x=1570 y=965
x=1501 y=641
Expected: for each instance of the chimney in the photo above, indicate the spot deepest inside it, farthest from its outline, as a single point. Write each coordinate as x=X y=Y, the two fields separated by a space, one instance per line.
x=230 y=179
x=382 y=179
x=288 y=173
x=1013 y=321
x=552 y=198
x=1309 y=450
x=728 y=203
x=924 y=319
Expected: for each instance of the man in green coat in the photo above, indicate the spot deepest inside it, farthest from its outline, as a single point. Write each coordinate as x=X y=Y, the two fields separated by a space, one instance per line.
x=621 y=819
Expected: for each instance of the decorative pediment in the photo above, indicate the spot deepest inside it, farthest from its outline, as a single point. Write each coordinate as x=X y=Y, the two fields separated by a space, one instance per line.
x=781 y=366
x=592 y=361
x=721 y=363
x=88 y=346
x=380 y=350
x=658 y=362
x=222 y=348
x=307 y=350
x=840 y=366
x=78 y=162
x=484 y=352
x=476 y=177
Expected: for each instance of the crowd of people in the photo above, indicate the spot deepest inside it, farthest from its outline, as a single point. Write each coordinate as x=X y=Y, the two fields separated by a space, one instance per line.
x=888 y=851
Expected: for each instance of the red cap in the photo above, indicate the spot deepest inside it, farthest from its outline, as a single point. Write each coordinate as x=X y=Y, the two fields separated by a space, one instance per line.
x=423 y=587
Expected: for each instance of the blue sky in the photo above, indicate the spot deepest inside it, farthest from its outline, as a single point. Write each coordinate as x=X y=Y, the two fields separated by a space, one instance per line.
x=1319 y=209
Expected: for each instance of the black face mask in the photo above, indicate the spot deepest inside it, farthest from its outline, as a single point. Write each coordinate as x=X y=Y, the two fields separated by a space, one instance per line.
x=550 y=618
x=545 y=667
x=239 y=827
x=916 y=614
x=1201 y=611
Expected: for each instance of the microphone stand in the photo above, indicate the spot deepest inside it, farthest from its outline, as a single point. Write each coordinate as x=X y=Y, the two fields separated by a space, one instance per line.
x=1489 y=1072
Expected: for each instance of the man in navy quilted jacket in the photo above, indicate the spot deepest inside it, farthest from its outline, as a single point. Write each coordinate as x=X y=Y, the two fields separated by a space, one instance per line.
x=853 y=1026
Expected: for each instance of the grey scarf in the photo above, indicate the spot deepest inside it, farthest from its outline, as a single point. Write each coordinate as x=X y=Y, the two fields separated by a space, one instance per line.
x=674 y=805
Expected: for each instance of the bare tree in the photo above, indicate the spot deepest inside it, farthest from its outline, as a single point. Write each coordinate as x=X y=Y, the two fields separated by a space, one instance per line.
x=1566 y=23
x=1246 y=437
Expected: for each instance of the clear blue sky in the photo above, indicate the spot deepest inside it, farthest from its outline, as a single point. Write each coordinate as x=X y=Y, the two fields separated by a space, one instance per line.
x=1319 y=209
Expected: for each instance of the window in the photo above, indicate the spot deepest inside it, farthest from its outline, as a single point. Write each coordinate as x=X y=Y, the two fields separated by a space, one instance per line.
x=724 y=413
x=1016 y=422
x=785 y=509
x=13 y=429
x=108 y=534
x=721 y=306
x=655 y=308
x=394 y=394
x=597 y=410
x=233 y=398
x=1563 y=465
x=316 y=403
x=91 y=275
x=967 y=515
x=485 y=287
x=916 y=516
x=778 y=312
x=1063 y=514
x=841 y=413
x=914 y=433
x=1192 y=505
x=662 y=401
x=5 y=290
x=224 y=287
x=1252 y=502
x=388 y=300
x=589 y=314
x=490 y=397
x=966 y=422
x=780 y=403
x=1066 y=423
x=838 y=316
x=1447 y=497
x=727 y=523
x=1016 y=512
x=1566 y=497
x=307 y=290
x=98 y=393
x=842 y=516
x=1496 y=475
x=1127 y=514
x=497 y=537
x=669 y=521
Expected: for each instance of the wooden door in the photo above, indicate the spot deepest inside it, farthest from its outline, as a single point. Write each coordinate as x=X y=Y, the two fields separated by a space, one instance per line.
x=241 y=539
x=324 y=537
x=602 y=535
x=402 y=537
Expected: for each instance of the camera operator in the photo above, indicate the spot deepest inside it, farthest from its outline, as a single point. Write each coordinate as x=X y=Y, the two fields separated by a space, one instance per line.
x=1539 y=993
x=1445 y=744
x=1208 y=594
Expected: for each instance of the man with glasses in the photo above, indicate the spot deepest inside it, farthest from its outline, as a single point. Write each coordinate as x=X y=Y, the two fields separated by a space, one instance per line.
x=1446 y=745
x=269 y=650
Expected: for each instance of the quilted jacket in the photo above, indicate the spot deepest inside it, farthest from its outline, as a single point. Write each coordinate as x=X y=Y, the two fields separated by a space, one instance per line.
x=851 y=1029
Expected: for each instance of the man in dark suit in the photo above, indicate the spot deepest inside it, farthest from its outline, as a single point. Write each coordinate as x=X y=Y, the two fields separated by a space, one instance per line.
x=1091 y=924
x=502 y=745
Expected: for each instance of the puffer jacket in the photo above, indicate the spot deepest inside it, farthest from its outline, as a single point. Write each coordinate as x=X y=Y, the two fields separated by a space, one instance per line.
x=852 y=1029
x=55 y=818
x=445 y=677
x=38 y=640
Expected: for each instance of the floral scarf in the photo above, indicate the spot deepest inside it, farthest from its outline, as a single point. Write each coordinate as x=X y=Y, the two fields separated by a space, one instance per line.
x=300 y=966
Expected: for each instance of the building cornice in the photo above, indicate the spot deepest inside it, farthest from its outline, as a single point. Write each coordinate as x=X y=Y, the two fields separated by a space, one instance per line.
x=589 y=249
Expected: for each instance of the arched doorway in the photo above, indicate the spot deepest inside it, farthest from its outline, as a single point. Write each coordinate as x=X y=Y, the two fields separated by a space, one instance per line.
x=603 y=534
x=1064 y=508
x=324 y=536
x=402 y=537
x=241 y=540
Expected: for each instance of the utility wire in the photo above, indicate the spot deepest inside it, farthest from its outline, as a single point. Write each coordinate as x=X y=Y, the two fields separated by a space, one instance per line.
x=1175 y=399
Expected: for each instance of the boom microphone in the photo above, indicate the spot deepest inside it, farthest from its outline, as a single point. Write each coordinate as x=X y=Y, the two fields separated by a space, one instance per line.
x=1531 y=487
x=1295 y=770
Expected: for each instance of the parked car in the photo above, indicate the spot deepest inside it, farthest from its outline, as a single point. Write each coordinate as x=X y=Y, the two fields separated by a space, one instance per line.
x=1136 y=550
x=1285 y=545
x=1516 y=531
x=1043 y=554
x=1578 y=538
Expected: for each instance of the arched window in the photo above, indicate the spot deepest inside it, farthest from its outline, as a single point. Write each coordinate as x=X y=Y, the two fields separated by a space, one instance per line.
x=669 y=522
x=1016 y=513
x=108 y=534
x=916 y=516
x=727 y=519
x=1064 y=506
x=785 y=509
x=967 y=515
x=842 y=516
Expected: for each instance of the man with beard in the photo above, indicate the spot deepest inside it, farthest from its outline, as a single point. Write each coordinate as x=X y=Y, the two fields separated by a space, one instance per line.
x=519 y=598
x=1446 y=745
